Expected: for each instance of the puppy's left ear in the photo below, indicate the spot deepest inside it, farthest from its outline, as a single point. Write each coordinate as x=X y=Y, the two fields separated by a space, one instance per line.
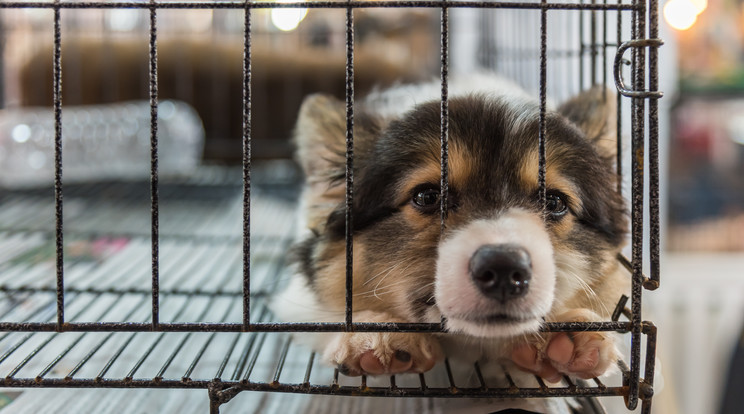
x=594 y=111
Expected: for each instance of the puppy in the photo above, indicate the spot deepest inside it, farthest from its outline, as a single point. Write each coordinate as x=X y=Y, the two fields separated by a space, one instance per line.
x=501 y=267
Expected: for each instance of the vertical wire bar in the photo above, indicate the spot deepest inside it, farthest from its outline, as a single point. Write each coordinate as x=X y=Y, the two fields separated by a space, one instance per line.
x=58 y=197
x=154 y=166
x=653 y=147
x=349 y=162
x=247 y=171
x=2 y=58
x=444 y=120
x=543 y=106
x=581 y=47
x=593 y=49
x=648 y=379
x=604 y=50
x=637 y=164
x=619 y=118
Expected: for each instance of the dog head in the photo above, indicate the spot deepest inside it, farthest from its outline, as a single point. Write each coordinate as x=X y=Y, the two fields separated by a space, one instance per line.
x=502 y=263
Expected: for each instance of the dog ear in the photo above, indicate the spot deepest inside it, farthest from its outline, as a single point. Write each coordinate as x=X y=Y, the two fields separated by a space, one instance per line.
x=320 y=138
x=594 y=111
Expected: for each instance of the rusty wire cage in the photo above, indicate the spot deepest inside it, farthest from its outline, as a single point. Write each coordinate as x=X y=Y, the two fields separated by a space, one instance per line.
x=197 y=319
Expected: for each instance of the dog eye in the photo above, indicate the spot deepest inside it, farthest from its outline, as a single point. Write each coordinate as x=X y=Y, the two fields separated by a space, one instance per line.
x=555 y=204
x=426 y=199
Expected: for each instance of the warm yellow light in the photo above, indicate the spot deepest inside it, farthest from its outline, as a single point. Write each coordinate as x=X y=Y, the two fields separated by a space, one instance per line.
x=287 y=19
x=680 y=14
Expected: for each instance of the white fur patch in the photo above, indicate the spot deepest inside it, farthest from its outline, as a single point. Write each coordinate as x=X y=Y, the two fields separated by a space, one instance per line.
x=461 y=302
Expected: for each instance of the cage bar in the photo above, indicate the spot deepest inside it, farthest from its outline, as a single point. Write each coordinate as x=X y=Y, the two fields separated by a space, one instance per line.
x=542 y=197
x=637 y=202
x=444 y=120
x=155 y=209
x=593 y=47
x=349 y=236
x=653 y=148
x=336 y=4
x=58 y=196
x=247 y=169
x=619 y=120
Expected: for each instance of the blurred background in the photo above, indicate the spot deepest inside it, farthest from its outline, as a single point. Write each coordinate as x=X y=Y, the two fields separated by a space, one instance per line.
x=699 y=308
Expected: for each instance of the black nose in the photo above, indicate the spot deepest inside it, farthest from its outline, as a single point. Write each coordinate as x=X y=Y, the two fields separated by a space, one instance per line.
x=501 y=271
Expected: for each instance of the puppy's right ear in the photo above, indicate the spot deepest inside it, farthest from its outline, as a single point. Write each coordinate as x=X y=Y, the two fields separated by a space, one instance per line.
x=320 y=136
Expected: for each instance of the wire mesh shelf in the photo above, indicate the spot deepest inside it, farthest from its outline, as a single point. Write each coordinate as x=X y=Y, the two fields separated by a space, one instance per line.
x=107 y=296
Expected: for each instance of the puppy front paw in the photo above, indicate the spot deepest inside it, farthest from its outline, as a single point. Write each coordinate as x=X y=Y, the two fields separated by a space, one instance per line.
x=576 y=354
x=377 y=353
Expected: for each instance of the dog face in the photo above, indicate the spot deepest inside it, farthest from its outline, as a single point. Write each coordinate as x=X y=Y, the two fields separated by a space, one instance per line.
x=502 y=263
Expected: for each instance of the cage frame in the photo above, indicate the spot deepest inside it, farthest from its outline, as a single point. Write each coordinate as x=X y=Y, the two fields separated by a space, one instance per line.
x=644 y=132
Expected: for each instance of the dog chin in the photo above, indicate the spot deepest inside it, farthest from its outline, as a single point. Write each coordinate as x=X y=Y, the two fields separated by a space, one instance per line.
x=494 y=327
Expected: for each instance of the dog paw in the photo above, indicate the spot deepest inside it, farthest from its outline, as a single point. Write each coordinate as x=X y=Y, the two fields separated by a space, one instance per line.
x=576 y=354
x=377 y=353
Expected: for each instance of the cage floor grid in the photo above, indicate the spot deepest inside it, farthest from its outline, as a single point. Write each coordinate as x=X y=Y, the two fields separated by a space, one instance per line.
x=107 y=279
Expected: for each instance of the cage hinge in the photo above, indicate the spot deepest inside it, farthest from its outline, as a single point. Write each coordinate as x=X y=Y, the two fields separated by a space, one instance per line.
x=619 y=83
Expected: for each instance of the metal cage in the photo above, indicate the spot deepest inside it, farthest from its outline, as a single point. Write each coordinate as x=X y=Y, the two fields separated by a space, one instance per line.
x=27 y=332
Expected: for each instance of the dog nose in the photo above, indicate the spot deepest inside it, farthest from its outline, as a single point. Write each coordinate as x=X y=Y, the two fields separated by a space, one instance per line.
x=502 y=271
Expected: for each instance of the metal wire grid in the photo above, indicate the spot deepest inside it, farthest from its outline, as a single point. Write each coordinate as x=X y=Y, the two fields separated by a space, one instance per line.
x=634 y=388
x=198 y=287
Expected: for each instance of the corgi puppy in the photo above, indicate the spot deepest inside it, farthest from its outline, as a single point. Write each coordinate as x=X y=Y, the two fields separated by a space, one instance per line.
x=501 y=267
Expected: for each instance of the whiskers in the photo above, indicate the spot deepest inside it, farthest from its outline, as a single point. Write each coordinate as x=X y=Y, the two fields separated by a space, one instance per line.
x=382 y=289
x=594 y=300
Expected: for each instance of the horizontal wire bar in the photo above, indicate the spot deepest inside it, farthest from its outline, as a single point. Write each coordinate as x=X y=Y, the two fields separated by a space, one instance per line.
x=317 y=5
x=286 y=327
x=128 y=291
x=176 y=237
x=318 y=389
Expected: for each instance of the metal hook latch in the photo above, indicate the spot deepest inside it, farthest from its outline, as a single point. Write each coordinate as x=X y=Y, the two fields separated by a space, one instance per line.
x=621 y=88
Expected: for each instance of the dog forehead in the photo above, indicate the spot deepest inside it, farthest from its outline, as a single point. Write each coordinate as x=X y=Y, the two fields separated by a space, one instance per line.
x=486 y=133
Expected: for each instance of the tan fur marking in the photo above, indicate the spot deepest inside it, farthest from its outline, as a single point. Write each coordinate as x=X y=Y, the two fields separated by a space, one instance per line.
x=553 y=178
x=381 y=287
x=459 y=172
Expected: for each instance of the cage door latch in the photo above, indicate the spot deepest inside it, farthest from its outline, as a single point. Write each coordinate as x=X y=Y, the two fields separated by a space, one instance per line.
x=619 y=83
